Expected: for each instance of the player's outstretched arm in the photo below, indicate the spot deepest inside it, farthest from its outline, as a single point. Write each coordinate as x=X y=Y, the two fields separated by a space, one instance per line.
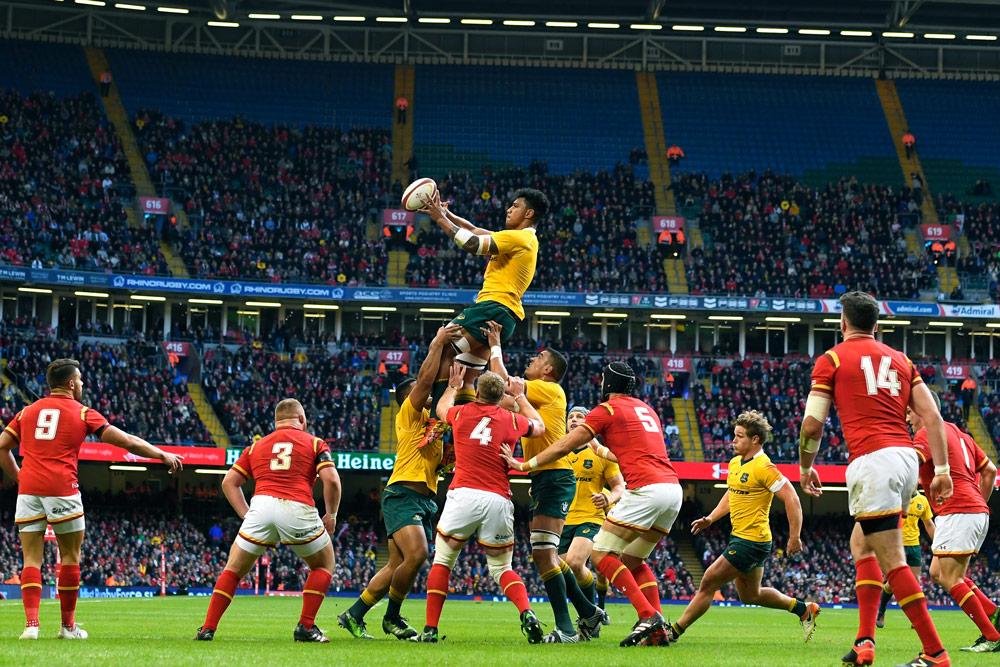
x=136 y=445
x=331 y=496
x=516 y=388
x=922 y=402
x=232 y=489
x=493 y=331
x=467 y=236
x=7 y=461
x=456 y=378
x=721 y=510
x=429 y=368
x=793 y=510
x=575 y=439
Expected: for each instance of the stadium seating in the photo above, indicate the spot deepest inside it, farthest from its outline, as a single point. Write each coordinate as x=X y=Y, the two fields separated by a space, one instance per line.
x=65 y=187
x=769 y=235
x=980 y=268
x=339 y=391
x=33 y=67
x=130 y=384
x=286 y=92
x=272 y=203
x=588 y=242
x=730 y=123
x=470 y=116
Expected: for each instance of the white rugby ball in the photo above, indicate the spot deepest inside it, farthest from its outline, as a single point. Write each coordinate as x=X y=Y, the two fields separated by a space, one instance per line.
x=418 y=192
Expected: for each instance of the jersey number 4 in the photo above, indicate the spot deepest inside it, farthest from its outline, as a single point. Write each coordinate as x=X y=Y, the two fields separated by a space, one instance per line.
x=886 y=378
x=483 y=433
x=282 y=456
x=46 y=425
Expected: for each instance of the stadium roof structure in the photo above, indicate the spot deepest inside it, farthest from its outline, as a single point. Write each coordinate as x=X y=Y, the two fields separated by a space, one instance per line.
x=899 y=38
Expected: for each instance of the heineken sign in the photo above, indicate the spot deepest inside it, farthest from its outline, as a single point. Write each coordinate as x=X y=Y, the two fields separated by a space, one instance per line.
x=361 y=461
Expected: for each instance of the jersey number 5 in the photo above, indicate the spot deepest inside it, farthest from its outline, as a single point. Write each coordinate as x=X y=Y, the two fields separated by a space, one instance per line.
x=648 y=422
x=282 y=456
x=48 y=422
x=886 y=379
x=483 y=433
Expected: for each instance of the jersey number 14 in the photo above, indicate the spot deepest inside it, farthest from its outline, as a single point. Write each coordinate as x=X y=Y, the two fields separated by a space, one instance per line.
x=887 y=377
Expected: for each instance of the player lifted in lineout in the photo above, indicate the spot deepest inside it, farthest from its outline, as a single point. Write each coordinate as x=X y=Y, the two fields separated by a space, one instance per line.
x=408 y=505
x=752 y=483
x=962 y=523
x=478 y=501
x=284 y=464
x=49 y=433
x=872 y=385
x=552 y=489
x=512 y=254
x=632 y=433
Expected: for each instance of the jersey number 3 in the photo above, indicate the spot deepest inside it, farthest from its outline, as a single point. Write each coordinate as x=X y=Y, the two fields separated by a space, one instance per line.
x=886 y=379
x=282 y=456
x=46 y=425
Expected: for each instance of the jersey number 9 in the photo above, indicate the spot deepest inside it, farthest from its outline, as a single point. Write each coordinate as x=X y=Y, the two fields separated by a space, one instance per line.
x=48 y=422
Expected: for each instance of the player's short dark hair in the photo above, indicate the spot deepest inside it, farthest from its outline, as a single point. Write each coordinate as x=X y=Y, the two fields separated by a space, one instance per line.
x=536 y=201
x=60 y=371
x=755 y=424
x=558 y=362
x=403 y=390
x=860 y=309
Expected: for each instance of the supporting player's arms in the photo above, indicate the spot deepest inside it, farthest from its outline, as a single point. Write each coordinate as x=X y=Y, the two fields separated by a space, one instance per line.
x=575 y=439
x=232 y=489
x=922 y=402
x=136 y=445
x=456 y=378
x=516 y=388
x=793 y=510
x=721 y=510
x=7 y=461
x=428 y=370
x=331 y=496
x=987 y=478
x=493 y=331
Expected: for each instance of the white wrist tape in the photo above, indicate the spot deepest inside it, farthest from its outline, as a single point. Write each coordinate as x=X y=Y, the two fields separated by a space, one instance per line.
x=496 y=352
x=942 y=470
x=462 y=237
x=817 y=407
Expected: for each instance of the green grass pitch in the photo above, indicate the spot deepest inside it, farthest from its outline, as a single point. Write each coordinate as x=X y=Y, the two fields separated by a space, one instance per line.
x=259 y=631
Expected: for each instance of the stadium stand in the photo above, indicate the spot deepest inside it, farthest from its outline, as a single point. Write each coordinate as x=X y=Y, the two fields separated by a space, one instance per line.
x=273 y=203
x=979 y=268
x=770 y=235
x=33 y=67
x=470 y=116
x=792 y=125
x=64 y=188
x=591 y=213
x=131 y=384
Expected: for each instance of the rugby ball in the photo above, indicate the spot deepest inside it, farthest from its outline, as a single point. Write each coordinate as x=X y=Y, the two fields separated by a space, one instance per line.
x=418 y=193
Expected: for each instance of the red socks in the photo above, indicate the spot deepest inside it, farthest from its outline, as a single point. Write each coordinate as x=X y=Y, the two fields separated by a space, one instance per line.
x=988 y=605
x=969 y=603
x=222 y=595
x=317 y=583
x=437 y=591
x=515 y=591
x=69 y=591
x=868 y=585
x=619 y=576
x=913 y=603
x=647 y=584
x=31 y=594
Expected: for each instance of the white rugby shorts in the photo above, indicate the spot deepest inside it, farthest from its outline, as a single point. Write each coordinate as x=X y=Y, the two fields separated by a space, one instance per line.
x=651 y=506
x=881 y=483
x=65 y=513
x=471 y=511
x=272 y=520
x=959 y=534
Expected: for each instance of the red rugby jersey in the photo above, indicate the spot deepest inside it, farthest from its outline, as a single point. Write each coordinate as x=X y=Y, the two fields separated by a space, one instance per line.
x=966 y=459
x=479 y=430
x=50 y=432
x=284 y=464
x=870 y=384
x=631 y=430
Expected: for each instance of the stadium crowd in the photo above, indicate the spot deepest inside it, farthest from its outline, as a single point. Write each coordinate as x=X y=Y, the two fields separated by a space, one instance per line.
x=131 y=384
x=588 y=242
x=770 y=235
x=64 y=189
x=272 y=203
x=981 y=225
